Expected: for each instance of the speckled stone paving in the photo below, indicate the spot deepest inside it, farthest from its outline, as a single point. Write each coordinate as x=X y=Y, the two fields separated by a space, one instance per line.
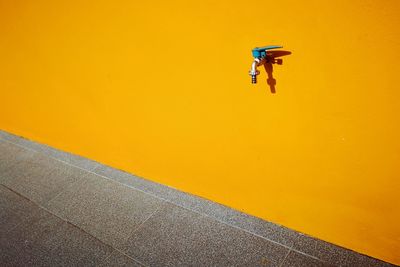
x=59 y=209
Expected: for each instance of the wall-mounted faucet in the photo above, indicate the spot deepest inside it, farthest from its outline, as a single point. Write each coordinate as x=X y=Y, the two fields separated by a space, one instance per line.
x=260 y=57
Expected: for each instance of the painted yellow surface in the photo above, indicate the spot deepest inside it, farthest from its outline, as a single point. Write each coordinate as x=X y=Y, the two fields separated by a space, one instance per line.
x=161 y=89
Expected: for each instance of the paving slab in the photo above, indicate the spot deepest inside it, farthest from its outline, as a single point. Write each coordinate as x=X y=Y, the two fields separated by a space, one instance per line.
x=117 y=259
x=40 y=178
x=10 y=155
x=103 y=208
x=14 y=209
x=46 y=240
x=295 y=259
x=175 y=236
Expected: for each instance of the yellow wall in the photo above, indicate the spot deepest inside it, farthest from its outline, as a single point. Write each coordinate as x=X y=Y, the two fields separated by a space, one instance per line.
x=161 y=89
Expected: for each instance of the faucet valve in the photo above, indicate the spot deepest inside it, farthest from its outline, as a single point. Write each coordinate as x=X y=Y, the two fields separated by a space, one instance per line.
x=259 y=54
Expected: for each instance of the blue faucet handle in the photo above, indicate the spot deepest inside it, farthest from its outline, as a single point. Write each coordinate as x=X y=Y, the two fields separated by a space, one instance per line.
x=259 y=52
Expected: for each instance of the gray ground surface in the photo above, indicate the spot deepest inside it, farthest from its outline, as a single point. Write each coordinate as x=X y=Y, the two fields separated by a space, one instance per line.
x=58 y=209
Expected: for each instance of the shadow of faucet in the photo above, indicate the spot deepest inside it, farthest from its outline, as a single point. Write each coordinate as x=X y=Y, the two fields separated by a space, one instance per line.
x=273 y=57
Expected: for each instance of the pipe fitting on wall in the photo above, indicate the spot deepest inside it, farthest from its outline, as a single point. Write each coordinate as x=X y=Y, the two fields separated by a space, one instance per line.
x=260 y=57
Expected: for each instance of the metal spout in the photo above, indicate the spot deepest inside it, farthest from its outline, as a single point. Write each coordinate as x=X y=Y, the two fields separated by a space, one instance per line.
x=253 y=71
